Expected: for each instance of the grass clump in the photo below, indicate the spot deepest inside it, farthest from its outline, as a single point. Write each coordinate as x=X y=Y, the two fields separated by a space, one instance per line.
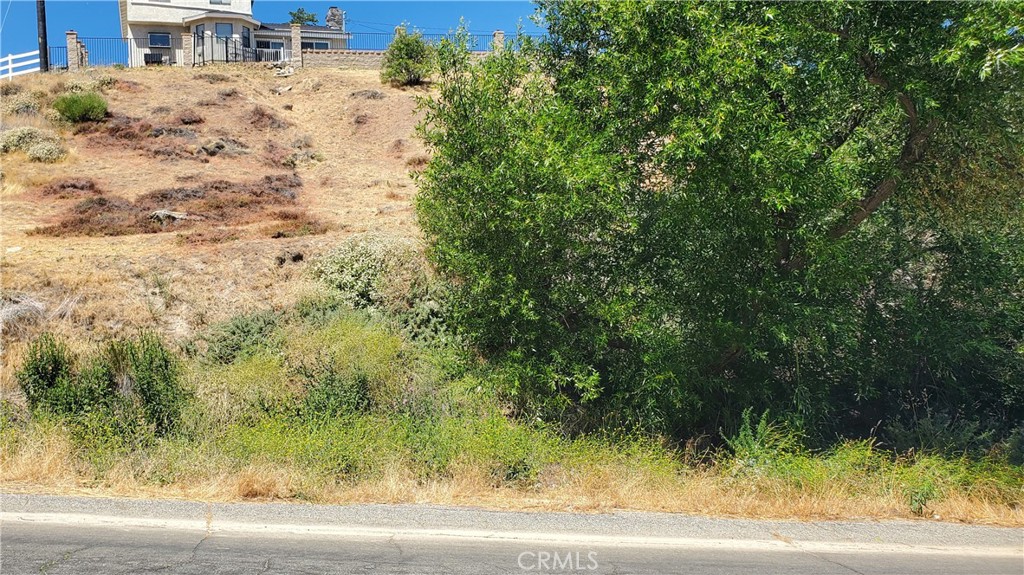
x=81 y=107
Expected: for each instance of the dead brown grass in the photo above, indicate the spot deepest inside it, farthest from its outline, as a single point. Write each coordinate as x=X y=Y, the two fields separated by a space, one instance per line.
x=71 y=188
x=218 y=202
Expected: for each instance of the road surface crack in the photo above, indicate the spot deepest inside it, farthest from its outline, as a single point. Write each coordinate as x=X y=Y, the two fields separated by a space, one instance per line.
x=45 y=567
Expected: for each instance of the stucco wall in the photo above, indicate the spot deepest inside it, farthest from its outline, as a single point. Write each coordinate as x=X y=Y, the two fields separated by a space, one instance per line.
x=175 y=10
x=345 y=59
x=140 y=42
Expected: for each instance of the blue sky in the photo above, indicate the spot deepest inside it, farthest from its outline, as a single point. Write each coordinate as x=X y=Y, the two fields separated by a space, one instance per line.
x=98 y=18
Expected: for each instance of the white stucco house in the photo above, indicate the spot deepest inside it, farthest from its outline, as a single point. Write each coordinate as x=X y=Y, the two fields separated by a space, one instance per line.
x=187 y=32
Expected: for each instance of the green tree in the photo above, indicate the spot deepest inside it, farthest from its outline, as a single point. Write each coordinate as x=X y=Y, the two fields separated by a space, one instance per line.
x=301 y=16
x=668 y=212
x=408 y=60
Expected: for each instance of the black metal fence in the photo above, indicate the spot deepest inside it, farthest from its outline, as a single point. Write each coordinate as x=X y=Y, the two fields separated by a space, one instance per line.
x=379 y=42
x=58 y=57
x=131 y=52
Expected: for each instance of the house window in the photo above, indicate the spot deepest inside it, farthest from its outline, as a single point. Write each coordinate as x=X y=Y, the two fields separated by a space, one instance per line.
x=316 y=46
x=200 y=29
x=223 y=2
x=269 y=45
x=159 y=40
x=246 y=37
x=223 y=30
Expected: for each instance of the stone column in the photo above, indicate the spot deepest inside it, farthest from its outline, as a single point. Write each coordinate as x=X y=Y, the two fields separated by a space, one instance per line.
x=187 y=50
x=85 y=54
x=498 y=43
x=297 y=45
x=74 y=58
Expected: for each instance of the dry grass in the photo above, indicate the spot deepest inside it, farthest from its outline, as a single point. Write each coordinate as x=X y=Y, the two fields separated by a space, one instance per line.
x=229 y=267
x=47 y=463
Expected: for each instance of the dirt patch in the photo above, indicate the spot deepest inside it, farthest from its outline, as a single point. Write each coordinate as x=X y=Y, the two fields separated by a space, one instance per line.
x=71 y=188
x=217 y=202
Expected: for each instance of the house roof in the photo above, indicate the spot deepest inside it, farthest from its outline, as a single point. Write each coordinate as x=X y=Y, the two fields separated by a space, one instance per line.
x=304 y=27
x=220 y=14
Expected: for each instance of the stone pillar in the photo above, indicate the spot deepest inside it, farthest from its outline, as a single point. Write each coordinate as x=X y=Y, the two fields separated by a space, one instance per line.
x=74 y=58
x=498 y=43
x=297 y=45
x=187 y=50
x=85 y=54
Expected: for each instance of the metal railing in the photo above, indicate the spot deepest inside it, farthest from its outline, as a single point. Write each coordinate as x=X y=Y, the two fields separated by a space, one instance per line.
x=58 y=57
x=222 y=50
x=273 y=55
x=131 y=52
x=379 y=42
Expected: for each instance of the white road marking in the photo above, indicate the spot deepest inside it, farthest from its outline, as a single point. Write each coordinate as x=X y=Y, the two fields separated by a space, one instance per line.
x=363 y=532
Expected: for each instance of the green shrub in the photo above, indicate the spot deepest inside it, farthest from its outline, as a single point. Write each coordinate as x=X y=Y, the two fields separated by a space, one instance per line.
x=407 y=61
x=81 y=107
x=241 y=336
x=127 y=379
x=45 y=152
x=22 y=139
x=390 y=275
x=47 y=372
x=155 y=373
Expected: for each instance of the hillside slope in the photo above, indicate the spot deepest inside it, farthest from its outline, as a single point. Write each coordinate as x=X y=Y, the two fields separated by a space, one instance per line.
x=349 y=140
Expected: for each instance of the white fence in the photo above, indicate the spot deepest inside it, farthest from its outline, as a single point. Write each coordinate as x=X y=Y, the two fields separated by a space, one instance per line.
x=18 y=64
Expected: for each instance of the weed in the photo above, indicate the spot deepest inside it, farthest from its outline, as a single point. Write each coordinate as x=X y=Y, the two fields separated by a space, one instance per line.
x=242 y=336
x=20 y=104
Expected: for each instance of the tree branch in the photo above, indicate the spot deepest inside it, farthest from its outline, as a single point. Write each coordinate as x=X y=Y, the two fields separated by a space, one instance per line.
x=912 y=152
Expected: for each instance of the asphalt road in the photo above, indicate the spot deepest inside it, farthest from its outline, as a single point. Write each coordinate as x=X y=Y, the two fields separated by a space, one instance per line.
x=41 y=534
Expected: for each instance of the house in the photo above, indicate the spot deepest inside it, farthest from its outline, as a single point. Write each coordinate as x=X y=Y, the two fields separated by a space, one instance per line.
x=188 y=32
